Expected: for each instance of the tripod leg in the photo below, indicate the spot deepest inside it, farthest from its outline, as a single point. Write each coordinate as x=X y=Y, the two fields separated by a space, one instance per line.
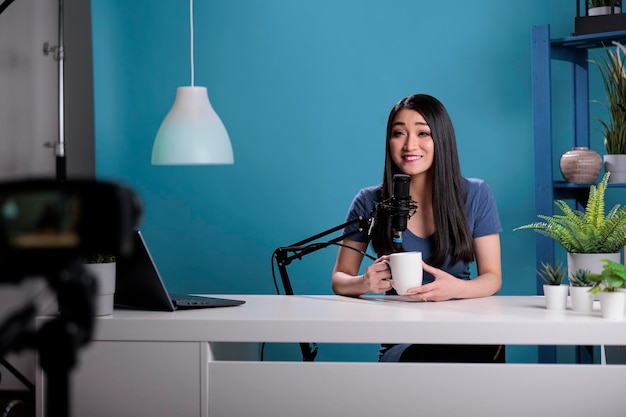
x=57 y=394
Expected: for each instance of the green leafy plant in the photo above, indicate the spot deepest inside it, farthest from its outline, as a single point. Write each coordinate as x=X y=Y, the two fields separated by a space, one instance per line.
x=611 y=66
x=599 y=3
x=612 y=277
x=552 y=274
x=100 y=258
x=590 y=231
x=580 y=278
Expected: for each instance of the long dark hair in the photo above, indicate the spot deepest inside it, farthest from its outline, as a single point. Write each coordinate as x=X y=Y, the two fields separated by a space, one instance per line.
x=452 y=235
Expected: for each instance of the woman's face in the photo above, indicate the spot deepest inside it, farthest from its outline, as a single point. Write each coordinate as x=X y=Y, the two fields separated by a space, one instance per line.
x=411 y=146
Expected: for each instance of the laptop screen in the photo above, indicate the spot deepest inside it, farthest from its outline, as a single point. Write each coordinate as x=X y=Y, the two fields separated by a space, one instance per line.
x=138 y=284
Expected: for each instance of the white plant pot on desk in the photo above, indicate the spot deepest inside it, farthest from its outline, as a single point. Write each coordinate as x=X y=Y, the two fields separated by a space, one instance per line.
x=612 y=304
x=556 y=296
x=104 y=275
x=581 y=299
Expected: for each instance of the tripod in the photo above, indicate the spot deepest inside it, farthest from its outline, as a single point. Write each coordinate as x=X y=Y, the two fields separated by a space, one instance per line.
x=58 y=340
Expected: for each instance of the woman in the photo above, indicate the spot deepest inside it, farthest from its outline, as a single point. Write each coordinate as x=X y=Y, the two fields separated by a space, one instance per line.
x=456 y=222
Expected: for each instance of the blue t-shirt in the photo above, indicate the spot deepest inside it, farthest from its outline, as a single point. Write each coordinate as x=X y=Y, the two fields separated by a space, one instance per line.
x=482 y=216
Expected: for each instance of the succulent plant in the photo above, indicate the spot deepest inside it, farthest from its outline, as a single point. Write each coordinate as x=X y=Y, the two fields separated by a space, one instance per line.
x=552 y=274
x=580 y=278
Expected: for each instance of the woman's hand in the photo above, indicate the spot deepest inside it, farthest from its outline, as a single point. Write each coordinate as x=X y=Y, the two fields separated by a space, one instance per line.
x=377 y=276
x=444 y=287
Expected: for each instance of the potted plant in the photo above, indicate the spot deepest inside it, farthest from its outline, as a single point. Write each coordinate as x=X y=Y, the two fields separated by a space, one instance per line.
x=580 y=291
x=612 y=71
x=589 y=236
x=100 y=258
x=554 y=291
x=602 y=7
x=608 y=284
x=102 y=267
x=602 y=16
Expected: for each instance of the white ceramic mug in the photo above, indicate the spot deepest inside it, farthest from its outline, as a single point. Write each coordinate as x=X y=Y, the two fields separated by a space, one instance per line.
x=406 y=270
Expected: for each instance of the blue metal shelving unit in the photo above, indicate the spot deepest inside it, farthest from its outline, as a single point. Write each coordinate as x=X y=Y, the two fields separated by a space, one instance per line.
x=572 y=49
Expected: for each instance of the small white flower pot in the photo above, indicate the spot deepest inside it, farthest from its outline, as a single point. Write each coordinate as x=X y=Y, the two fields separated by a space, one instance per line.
x=603 y=10
x=556 y=296
x=612 y=304
x=104 y=275
x=581 y=298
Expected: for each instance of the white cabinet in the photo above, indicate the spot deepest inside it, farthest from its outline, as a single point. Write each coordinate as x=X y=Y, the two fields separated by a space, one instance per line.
x=155 y=379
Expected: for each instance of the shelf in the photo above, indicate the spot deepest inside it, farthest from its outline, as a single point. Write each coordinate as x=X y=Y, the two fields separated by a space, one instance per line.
x=584 y=25
x=594 y=40
x=568 y=185
x=578 y=192
x=575 y=51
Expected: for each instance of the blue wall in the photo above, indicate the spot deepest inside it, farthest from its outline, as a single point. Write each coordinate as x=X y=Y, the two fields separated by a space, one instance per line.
x=304 y=89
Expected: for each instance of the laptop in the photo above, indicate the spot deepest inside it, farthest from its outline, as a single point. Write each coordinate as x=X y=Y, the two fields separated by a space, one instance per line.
x=139 y=286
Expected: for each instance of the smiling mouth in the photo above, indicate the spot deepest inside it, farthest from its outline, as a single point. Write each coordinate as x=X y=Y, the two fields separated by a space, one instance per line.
x=411 y=158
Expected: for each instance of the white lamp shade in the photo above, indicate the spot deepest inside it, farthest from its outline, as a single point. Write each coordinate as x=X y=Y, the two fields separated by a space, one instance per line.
x=192 y=133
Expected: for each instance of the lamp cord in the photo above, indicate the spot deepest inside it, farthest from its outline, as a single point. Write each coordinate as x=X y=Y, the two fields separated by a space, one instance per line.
x=191 y=39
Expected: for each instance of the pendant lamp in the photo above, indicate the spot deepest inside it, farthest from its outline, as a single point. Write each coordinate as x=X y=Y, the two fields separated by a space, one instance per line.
x=192 y=133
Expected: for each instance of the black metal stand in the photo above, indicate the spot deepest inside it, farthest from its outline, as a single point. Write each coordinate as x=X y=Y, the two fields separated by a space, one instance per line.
x=5 y=4
x=302 y=248
x=58 y=340
x=400 y=207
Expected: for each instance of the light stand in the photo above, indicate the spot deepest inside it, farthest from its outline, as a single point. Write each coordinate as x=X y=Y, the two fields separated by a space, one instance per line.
x=59 y=55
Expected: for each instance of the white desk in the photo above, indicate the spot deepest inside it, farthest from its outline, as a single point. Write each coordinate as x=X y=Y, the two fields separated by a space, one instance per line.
x=186 y=364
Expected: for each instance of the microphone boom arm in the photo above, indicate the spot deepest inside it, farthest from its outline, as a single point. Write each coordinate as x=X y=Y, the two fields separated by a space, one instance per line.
x=304 y=247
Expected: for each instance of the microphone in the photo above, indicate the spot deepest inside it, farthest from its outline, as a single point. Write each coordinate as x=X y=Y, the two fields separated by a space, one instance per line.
x=401 y=208
x=400 y=202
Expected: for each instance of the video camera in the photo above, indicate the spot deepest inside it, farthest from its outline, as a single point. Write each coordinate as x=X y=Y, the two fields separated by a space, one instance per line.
x=46 y=223
x=47 y=228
